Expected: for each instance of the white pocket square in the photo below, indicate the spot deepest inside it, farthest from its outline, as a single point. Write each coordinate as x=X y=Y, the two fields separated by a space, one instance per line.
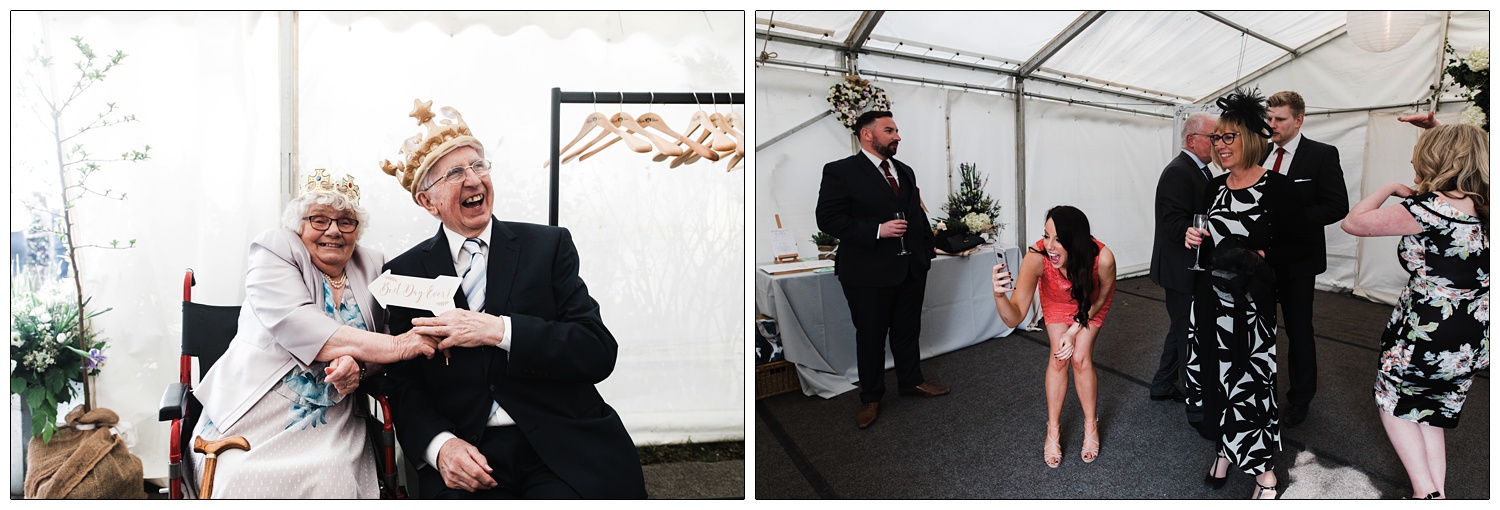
x=1301 y=180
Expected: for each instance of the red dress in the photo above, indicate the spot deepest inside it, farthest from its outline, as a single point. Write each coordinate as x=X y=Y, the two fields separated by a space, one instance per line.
x=1057 y=305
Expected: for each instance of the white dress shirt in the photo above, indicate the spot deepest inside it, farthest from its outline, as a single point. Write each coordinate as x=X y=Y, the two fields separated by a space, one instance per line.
x=1286 y=160
x=498 y=416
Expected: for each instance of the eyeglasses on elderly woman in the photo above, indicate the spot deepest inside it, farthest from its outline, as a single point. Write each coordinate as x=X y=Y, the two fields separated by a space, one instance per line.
x=346 y=225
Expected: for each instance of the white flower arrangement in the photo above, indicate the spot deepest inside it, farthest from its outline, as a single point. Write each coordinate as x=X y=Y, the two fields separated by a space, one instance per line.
x=854 y=96
x=978 y=222
x=1473 y=116
x=1472 y=73
x=47 y=356
x=1478 y=58
x=969 y=208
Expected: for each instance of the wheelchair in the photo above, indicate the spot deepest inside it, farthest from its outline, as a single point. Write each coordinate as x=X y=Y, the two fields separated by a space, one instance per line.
x=206 y=332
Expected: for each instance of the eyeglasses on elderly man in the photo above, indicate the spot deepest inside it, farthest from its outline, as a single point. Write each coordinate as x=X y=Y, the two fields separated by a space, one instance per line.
x=456 y=174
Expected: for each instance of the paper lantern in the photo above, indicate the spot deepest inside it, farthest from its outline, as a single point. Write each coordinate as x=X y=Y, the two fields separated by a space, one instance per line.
x=1382 y=31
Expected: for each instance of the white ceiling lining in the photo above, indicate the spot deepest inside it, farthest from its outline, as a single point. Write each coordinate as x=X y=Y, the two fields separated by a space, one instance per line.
x=1108 y=54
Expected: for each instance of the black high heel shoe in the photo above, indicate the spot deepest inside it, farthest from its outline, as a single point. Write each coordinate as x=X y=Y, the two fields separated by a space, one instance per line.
x=1216 y=482
x=1260 y=491
x=1434 y=495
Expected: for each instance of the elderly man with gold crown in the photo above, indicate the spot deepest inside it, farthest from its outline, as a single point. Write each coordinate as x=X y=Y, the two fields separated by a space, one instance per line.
x=308 y=333
x=509 y=410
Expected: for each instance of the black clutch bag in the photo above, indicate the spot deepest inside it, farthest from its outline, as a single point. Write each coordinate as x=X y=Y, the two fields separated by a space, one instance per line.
x=1240 y=270
x=956 y=242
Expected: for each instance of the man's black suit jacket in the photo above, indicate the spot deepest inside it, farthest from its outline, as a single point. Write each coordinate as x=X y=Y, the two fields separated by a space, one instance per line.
x=559 y=350
x=852 y=203
x=1319 y=181
x=1179 y=195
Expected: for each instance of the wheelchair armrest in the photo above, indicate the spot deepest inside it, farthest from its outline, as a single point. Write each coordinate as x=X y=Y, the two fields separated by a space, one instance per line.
x=172 y=402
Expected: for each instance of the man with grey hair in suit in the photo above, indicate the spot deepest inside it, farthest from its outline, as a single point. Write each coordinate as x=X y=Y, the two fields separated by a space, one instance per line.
x=1179 y=195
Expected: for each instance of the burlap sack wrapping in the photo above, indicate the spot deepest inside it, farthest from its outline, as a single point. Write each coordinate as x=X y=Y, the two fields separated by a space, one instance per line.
x=84 y=464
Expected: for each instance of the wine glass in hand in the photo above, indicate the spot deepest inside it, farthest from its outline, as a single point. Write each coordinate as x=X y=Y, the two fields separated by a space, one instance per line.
x=1200 y=222
x=902 y=216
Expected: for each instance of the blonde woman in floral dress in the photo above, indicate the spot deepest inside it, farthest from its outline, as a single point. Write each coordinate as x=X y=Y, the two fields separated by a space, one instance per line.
x=1438 y=336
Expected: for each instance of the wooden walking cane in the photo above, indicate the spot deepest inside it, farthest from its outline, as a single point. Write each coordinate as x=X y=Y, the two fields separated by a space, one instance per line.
x=211 y=450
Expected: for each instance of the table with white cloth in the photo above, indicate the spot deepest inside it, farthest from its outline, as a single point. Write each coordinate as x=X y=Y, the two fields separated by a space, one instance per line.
x=817 y=334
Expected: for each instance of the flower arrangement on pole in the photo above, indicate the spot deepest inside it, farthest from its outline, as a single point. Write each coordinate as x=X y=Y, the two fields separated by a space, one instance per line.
x=970 y=212
x=854 y=96
x=1472 y=73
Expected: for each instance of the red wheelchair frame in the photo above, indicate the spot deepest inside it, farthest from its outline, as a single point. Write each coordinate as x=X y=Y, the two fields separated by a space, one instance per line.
x=178 y=404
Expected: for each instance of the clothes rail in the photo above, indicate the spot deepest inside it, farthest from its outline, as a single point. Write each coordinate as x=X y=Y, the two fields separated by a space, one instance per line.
x=615 y=97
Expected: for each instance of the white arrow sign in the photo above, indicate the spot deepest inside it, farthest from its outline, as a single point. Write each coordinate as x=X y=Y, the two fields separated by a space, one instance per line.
x=432 y=294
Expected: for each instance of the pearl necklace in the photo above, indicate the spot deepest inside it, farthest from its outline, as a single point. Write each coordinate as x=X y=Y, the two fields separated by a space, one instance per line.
x=337 y=283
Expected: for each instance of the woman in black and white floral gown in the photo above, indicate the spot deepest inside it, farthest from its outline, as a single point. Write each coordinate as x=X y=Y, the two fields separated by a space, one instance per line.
x=1231 y=360
x=1438 y=336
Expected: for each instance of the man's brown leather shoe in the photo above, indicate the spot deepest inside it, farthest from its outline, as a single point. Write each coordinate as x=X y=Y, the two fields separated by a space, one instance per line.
x=867 y=413
x=924 y=390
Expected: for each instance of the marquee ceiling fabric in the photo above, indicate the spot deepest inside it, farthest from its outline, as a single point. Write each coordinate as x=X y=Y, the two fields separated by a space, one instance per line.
x=1142 y=54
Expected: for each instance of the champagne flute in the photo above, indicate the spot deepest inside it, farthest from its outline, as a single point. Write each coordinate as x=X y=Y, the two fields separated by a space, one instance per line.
x=902 y=216
x=1200 y=222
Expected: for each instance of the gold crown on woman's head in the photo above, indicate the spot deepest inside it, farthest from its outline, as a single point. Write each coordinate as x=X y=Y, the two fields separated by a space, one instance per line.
x=421 y=151
x=321 y=182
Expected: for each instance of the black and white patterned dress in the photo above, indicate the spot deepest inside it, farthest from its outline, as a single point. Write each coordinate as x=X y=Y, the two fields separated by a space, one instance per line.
x=1231 y=359
x=1439 y=334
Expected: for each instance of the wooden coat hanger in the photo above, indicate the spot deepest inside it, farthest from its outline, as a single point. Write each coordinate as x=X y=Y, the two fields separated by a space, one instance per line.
x=739 y=139
x=630 y=125
x=691 y=157
x=731 y=124
x=602 y=122
x=653 y=121
x=700 y=118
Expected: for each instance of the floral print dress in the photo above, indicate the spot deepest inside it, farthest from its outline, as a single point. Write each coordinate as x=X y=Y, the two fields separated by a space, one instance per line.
x=1439 y=334
x=305 y=441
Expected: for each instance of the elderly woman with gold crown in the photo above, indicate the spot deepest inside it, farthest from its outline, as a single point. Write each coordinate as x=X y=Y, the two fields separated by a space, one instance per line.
x=308 y=333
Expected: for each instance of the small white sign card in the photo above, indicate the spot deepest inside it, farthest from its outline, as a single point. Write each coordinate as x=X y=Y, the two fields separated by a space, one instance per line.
x=431 y=294
x=782 y=244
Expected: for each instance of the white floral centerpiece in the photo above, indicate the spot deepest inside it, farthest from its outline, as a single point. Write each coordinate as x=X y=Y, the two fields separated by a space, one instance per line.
x=44 y=351
x=970 y=211
x=854 y=96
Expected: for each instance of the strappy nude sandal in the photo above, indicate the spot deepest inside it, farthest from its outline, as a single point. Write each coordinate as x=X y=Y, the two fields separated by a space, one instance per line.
x=1054 y=436
x=1089 y=454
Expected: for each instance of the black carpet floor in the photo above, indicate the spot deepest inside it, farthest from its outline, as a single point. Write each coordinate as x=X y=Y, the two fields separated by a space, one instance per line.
x=985 y=439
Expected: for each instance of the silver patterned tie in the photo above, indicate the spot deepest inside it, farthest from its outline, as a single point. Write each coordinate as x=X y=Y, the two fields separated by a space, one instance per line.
x=473 y=283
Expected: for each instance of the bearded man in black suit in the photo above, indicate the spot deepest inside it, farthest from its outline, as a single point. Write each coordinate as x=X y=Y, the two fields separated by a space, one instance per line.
x=1179 y=195
x=1319 y=181
x=510 y=409
x=858 y=203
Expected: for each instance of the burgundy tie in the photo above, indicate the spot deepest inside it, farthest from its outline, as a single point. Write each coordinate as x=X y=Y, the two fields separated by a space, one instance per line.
x=885 y=166
x=1276 y=167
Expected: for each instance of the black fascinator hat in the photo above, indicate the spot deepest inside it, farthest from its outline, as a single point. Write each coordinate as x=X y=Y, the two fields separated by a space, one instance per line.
x=1247 y=109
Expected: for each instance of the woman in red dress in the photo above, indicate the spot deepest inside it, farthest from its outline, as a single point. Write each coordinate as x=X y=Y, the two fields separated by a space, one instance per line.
x=1076 y=276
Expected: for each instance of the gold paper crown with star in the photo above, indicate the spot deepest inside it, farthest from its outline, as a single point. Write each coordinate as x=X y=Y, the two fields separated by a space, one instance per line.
x=422 y=150
x=321 y=182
